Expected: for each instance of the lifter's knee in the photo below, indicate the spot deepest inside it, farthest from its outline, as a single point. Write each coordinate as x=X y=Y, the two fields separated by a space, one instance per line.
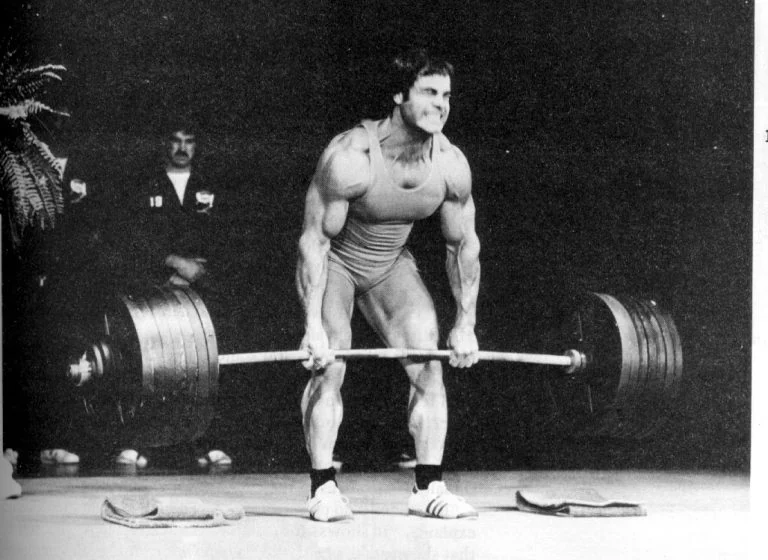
x=415 y=331
x=426 y=378
x=324 y=389
x=330 y=378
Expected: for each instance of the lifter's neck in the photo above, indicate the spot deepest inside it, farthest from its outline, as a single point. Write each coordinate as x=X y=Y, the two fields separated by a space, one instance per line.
x=400 y=141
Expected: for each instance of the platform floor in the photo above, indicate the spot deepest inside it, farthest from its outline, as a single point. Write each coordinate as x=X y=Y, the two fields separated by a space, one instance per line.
x=689 y=515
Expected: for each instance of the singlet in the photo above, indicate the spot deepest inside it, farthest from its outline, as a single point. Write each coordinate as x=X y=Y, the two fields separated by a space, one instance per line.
x=379 y=222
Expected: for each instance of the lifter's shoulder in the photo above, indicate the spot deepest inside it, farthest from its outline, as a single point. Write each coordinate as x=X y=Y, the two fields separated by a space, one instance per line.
x=455 y=168
x=344 y=167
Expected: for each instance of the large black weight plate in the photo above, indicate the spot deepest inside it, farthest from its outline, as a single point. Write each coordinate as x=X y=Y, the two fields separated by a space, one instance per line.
x=632 y=368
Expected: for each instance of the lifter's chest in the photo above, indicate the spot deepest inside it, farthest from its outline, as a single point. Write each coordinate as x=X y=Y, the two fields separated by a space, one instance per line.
x=407 y=175
x=402 y=195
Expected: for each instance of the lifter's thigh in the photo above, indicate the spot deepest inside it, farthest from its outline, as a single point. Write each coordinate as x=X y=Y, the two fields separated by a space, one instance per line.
x=401 y=310
x=338 y=304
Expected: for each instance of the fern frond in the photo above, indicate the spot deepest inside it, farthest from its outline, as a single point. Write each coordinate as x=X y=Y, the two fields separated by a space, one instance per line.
x=21 y=184
x=26 y=83
x=49 y=179
x=35 y=107
x=45 y=186
x=44 y=68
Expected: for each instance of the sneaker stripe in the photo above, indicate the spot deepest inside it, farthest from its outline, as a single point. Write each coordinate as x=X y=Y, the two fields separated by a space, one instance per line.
x=441 y=508
x=430 y=506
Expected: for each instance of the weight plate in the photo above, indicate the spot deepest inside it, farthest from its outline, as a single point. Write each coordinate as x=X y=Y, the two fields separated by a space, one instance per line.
x=184 y=374
x=643 y=418
x=166 y=369
x=210 y=337
x=661 y=368
x=149 y=340
x=204 y=379
x=622 y=391
x=675 y=379
x=633 y=391
x=192 y=370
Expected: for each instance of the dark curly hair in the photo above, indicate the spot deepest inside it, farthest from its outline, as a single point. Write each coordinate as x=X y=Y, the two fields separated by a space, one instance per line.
x=408 y=67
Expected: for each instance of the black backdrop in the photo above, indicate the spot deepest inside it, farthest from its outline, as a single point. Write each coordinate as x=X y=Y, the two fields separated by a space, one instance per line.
x=610 y=147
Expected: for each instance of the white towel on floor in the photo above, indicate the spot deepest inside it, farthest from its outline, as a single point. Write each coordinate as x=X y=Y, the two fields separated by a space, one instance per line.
x=575 y=502
x=141 y=510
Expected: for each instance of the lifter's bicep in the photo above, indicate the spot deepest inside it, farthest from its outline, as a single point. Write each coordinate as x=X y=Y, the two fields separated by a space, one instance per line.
x=458 y=210
x=341 y=175
x=324 y=217
x=457 y=218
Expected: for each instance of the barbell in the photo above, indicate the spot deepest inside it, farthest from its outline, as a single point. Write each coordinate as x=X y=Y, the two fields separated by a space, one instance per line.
x=156 y=359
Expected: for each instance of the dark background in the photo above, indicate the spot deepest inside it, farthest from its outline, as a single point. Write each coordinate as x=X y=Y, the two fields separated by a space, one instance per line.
x=610 y=147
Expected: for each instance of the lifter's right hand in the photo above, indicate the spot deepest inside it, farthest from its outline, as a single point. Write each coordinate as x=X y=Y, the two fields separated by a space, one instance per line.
x=315 y=342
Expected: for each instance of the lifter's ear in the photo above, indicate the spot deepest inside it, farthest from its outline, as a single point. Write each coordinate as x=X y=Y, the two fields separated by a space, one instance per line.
x=398 y=98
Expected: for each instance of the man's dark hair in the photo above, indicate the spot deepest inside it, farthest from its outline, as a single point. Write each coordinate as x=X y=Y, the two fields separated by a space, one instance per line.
x=187 y=129
x=175 y=120
x=412 y=65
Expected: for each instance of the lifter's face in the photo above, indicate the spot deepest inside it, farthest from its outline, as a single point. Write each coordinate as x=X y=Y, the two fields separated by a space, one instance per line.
x=428 y=103
x=181 y=149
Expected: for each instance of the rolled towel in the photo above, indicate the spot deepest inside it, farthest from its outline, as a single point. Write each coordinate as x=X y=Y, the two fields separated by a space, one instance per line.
x=575 y=502
x=141 y=510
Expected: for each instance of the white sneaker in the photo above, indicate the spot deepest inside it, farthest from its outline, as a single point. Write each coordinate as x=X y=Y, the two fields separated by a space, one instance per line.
x=11 y=456
x=58 y=457
x=329 y=504
x=131 y=457
x=214 y=458
x=437 y=501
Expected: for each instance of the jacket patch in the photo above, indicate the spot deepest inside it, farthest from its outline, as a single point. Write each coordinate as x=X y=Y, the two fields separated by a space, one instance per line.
x=203 y=201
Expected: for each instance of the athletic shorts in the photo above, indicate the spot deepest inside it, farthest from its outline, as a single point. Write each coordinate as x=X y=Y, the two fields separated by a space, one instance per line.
x=404 y=265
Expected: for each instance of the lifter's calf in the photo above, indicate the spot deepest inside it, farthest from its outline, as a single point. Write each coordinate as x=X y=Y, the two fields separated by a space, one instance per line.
x=323 y=411
x=427 y=411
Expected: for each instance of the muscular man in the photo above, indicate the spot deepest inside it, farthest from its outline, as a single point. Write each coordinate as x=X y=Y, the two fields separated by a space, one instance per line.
x=371 y=183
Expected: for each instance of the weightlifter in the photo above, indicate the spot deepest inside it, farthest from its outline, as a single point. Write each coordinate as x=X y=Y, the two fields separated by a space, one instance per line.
x=371 y=184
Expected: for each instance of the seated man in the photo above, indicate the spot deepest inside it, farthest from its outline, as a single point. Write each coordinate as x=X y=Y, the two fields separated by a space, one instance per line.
x=370 y=186
x=169 y=232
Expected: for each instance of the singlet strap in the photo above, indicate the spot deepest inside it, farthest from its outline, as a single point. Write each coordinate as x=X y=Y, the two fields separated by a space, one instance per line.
x=378 y=167
x=377 y=158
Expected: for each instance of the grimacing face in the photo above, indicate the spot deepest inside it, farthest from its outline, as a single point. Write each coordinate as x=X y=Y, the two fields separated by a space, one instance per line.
x=181 y=149
x=428 y=103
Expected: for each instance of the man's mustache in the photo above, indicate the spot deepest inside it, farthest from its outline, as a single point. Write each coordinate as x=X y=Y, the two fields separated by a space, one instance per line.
x=181 y=153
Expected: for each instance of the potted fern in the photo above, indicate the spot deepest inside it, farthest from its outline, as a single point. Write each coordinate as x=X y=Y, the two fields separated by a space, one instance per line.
x=30 y=176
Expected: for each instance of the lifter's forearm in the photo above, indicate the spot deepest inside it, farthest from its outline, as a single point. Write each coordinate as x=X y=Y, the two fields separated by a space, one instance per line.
x=463 y=267
x=311 y=278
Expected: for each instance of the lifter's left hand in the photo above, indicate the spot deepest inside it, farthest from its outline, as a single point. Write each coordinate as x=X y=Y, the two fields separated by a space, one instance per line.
x=464 y=349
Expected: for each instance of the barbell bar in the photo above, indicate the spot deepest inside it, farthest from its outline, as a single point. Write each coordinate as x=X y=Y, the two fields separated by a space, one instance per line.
x=572 y=360
x=157 y=360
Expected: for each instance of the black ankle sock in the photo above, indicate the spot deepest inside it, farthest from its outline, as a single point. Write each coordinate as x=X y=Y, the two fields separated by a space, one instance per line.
x=318 y=477
x=426 y=474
